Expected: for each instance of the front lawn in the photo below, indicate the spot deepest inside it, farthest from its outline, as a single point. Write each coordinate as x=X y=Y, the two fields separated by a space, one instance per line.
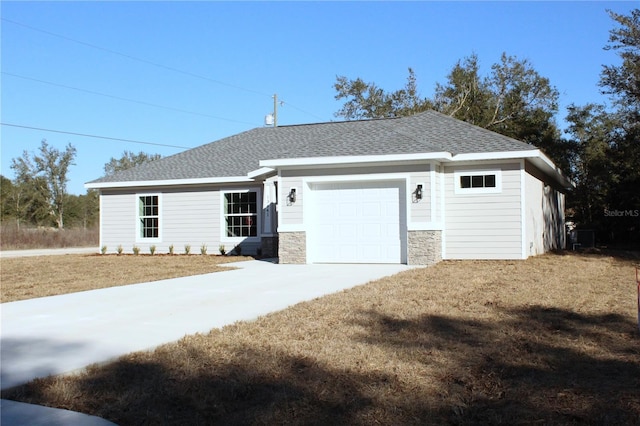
x=550 y=340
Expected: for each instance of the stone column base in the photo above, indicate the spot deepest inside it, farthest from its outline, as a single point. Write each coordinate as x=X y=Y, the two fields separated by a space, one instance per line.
x=292 y=247
x=424 y=247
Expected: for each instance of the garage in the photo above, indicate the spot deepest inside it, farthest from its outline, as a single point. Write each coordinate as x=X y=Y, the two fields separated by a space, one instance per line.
x=357 y=222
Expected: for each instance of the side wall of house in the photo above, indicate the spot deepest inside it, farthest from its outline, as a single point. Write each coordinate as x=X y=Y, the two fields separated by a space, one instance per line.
x=187 y=216
x=544 y=213
x=483 y=224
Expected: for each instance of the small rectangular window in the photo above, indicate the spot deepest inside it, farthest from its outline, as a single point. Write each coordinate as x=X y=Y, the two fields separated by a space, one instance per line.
x=478 y=181
x=149 y=216
x=465 y=181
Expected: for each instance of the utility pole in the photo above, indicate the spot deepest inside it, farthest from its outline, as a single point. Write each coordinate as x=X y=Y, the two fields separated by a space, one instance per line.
x=275 y=110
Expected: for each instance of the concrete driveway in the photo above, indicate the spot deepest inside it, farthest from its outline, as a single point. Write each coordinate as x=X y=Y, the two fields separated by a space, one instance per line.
x=59 y=334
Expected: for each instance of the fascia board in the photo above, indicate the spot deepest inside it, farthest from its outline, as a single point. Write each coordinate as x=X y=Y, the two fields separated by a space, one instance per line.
x=263 y=171
x=168 y=182
x=501 y=155
x=347 y=160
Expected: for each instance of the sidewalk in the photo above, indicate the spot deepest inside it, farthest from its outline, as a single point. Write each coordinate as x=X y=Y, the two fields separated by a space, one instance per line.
x=48 y=252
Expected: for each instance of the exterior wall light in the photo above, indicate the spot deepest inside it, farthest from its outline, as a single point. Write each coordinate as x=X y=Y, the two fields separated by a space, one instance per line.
x=292 y=195
x=419 y=192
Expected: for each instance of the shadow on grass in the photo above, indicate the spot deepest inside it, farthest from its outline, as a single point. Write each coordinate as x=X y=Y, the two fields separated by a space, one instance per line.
x=538 y=364
x=534 y=365
x=256 y=388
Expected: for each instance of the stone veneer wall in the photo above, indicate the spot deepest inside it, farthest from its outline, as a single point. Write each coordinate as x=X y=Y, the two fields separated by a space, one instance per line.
x=292 y=247
x=424 y=247
x=269 y=247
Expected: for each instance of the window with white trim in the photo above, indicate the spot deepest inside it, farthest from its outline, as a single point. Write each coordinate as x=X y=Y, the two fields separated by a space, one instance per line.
x=478 y=182
x=241 y=214
x=149 y=216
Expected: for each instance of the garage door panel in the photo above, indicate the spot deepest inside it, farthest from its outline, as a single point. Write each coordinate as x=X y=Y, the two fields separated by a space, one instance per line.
x=357 y=223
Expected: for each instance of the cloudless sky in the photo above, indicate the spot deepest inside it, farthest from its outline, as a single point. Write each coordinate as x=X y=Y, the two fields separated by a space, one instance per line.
x=188 y=73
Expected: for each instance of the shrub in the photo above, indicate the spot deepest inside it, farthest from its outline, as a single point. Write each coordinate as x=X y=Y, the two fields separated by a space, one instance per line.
x=187 y=249
x=103 y=249
x=152 y=250
x=171 y=249
x=203 y=249
x=136 y=250
x=120 y=249
x=222 y=250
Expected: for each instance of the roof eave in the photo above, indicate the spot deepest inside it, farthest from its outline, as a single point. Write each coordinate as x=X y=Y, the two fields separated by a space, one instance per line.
x=168 y=182
x=353 y=159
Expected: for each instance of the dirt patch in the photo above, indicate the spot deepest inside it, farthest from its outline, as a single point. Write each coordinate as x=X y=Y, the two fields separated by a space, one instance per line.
x=549 y=340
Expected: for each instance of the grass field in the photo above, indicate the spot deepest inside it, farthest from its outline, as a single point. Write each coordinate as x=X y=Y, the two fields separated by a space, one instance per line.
x=29 y=277
x=550 y=340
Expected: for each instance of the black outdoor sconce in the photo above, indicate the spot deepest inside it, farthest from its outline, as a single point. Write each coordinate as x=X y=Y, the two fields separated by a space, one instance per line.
x=419 y=192
x=292 y=195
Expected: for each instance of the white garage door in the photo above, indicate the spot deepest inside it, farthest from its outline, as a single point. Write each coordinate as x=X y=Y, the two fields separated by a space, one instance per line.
x=356 y=223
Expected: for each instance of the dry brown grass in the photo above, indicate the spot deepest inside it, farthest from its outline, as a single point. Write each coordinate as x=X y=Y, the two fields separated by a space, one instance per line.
x=14 y=238
x=550 y=340
x=30 y=277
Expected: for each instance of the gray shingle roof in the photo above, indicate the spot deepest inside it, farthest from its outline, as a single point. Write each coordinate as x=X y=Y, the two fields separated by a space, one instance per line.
x=240 y=154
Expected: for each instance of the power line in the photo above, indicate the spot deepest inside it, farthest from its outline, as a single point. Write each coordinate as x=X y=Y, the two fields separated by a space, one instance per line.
x=93 y=136
x=134 y=58
x=125 y=99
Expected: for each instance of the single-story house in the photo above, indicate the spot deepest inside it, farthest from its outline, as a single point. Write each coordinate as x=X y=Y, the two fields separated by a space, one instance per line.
x=409 y=190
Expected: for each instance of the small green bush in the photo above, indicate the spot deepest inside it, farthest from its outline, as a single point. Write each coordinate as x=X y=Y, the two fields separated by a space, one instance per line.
x=203 y=249
x=171 y=249
x=187 y=249
x=152 y=250
x=103 y=249
x=120 y=249
x=136 y=250
x=222 y=250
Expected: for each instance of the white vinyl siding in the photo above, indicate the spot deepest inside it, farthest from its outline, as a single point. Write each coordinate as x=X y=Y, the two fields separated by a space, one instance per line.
x=544 y=214
x=421 y=209
x=117 y=221
x=484 y=225
x=290 y=214
x=191 y=217
x=188 y=217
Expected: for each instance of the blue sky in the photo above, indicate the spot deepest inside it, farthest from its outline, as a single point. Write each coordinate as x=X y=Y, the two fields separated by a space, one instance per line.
x=188 y=73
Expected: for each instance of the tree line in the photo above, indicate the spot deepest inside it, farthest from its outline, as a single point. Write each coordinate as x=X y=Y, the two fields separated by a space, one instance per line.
x=38 y=196
x=599 y=151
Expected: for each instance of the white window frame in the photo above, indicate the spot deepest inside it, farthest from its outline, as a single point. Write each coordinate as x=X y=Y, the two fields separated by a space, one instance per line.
x=457 y=174
x=139 y=237
x=223 y=216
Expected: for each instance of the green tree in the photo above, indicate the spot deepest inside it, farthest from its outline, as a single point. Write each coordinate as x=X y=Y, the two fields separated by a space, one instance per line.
x=6 y=208
x=46 y=176
x=591 y=129
x=622 y=83
x=128 y=161
x=514 y=100
x=465 y=96
x=367 y=100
